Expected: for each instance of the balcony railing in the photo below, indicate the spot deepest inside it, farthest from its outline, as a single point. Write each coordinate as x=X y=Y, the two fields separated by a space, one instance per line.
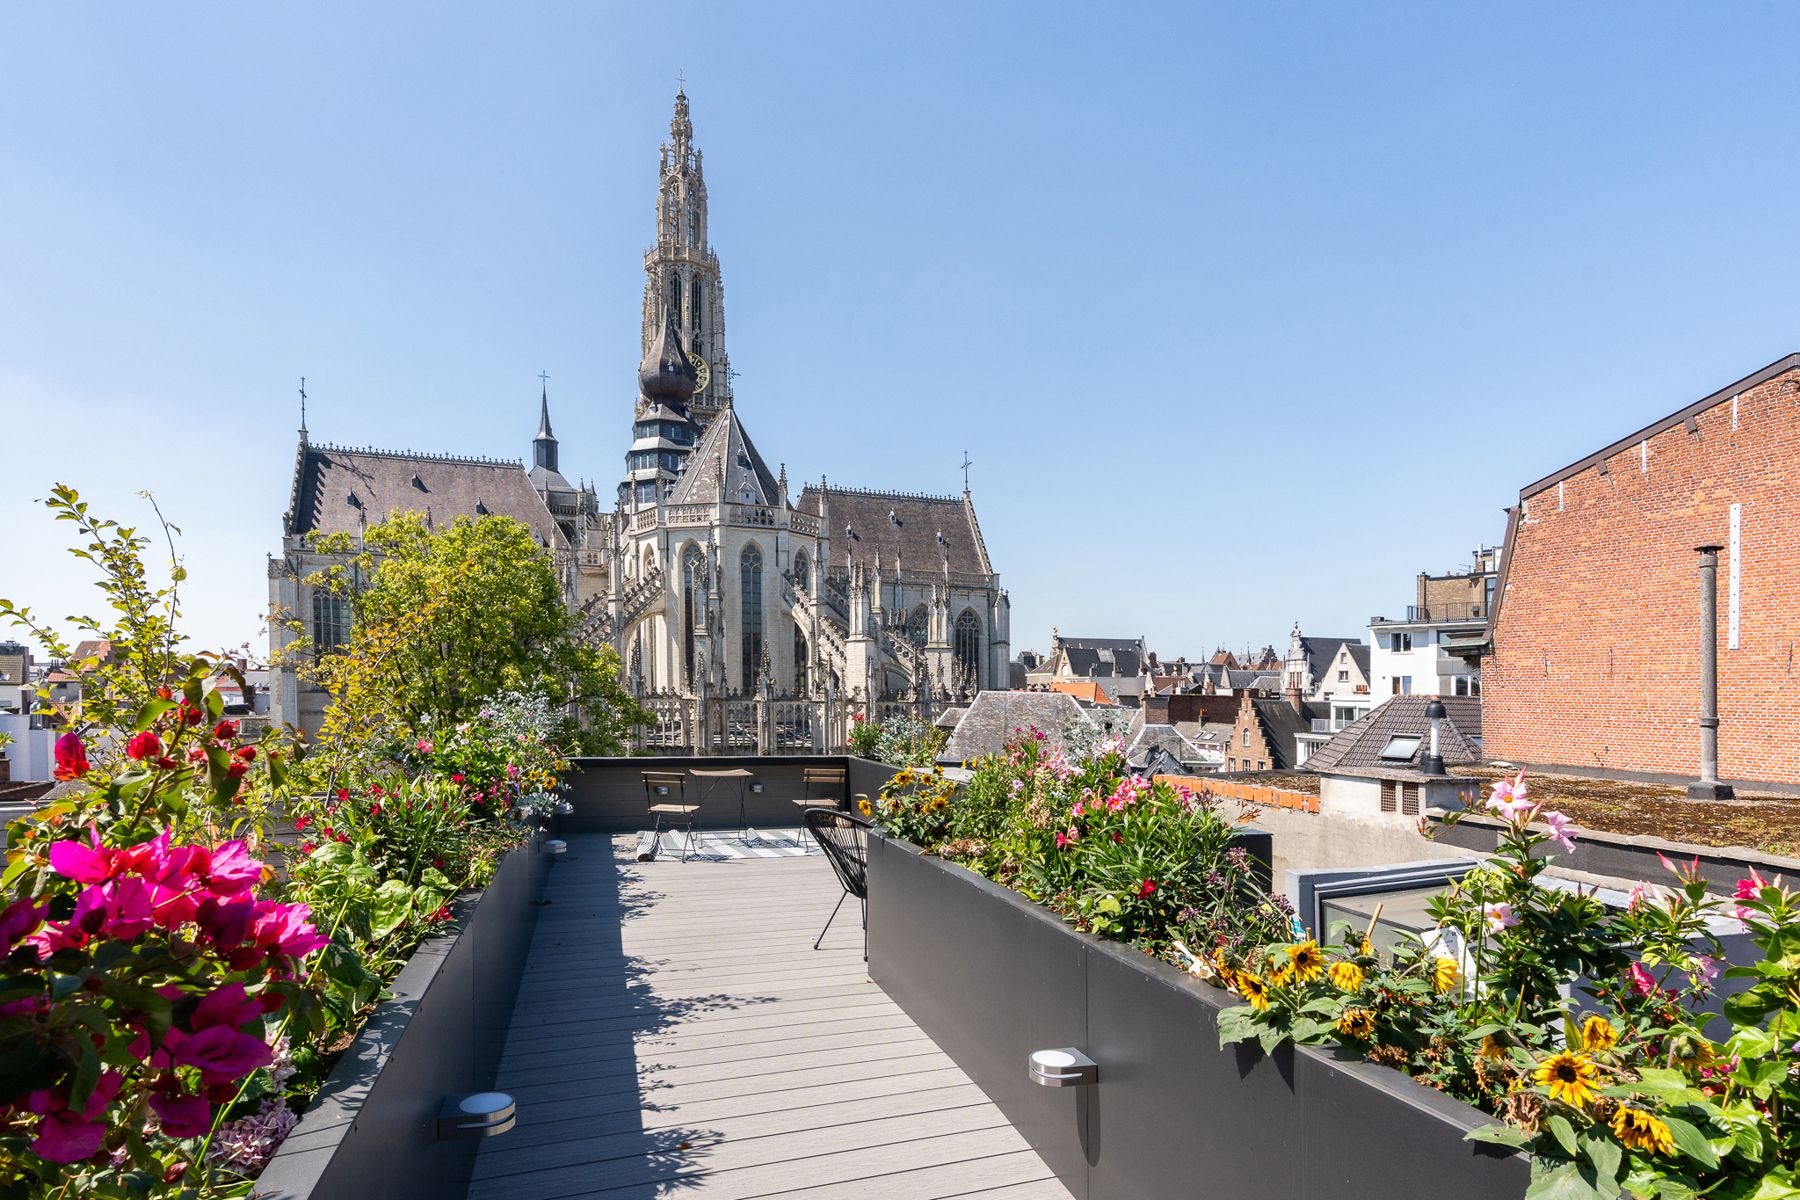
x=1418 y=613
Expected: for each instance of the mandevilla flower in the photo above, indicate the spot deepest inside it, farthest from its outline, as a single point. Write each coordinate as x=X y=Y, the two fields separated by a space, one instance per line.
x=1509 y=800
x=1499 y=916
x=1559 y=829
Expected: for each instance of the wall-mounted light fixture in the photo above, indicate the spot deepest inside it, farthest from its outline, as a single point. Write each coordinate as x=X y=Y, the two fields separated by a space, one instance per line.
x=756 y=786
x=556 y=846
x=1067 y=1067
x=482 y=1115
x=661 y=789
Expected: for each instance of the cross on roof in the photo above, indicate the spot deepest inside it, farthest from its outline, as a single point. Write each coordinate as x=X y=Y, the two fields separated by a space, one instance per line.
x=966 y=464
x=544 y=377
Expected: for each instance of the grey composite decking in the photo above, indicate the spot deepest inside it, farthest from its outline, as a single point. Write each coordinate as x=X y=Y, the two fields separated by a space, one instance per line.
x=676 y=1034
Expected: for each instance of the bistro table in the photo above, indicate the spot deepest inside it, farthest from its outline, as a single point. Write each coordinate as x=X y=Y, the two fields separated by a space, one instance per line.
x=725 y=777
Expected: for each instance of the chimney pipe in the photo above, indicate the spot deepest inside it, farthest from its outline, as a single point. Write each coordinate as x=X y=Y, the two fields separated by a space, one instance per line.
x=1709 y=787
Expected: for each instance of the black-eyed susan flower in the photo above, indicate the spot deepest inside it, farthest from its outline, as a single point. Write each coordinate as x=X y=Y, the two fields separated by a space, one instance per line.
x=1346 y=976
x=1307 y=960
x=1571 y=1078
x=1597 y=1033
x=1642 y=1131
x=1252 y=988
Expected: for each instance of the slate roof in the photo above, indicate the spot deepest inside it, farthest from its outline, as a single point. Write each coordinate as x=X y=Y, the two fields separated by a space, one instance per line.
x=747 y=477
x=993 y=716
x=1280 y=721
x=949 y=718
x=340 y=490
x=1165 y=738
x=1359 y=653
x=910 y=535
x=1357 y=746
x=1102 y=657
x=1320 y=651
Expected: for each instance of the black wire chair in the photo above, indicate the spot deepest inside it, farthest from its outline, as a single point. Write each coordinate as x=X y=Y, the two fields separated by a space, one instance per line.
x=845 y=841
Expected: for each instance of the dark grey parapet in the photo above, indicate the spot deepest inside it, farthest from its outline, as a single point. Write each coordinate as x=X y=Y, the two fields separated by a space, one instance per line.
x=992 y=977
x=608 y=793
x=372 y=1130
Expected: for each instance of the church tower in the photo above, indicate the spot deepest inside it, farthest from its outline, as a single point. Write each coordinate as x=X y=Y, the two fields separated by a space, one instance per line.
x=683 y=272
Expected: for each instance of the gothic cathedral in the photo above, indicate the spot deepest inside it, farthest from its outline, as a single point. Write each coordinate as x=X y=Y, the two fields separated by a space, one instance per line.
x=709 y=576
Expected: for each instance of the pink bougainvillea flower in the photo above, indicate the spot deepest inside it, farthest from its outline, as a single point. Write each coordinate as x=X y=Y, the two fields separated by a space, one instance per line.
x=228 y=1006
x=71 y=758
x=230 y=870
x=118 y=908
x=222 y=1054
x=1641 y=981
x=1559 y=829
x=65 y=1137
x=182 y=1116
x=83 y=864
x=285 y=929
x=143 y=744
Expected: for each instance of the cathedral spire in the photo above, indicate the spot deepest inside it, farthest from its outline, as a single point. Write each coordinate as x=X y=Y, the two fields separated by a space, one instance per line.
x=543 y=446
x=681 y=128
x=665 y=372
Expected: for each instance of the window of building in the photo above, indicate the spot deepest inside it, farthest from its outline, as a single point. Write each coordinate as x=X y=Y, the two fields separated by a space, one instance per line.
x=801 y=661
x=750 y=572
x=1246 y=737
x=1400 y=748
x=693 y=592
x=917 y=626
x=331 y=622
x=967 y=645
x=1403 y=685
x=697 y=305
x=675 y=297
x=1261 y=765
x=802 y=571
x=1402 y=642
x=1343 y=677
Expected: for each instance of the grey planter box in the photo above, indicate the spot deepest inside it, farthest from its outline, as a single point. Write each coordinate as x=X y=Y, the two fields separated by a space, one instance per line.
x=992 y=977
x=372 y=1131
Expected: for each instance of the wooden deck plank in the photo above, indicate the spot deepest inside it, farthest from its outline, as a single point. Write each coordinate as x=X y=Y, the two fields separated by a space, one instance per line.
x=676 y=1033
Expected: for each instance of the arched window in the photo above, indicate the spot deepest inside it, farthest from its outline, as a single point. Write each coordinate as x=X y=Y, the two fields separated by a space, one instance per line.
x=693 y=591
x=917 y=626
x=802 y=570
x=801 y=655
x=649 y=635
x=696 y=308
x=675 y=297
x=968 y=645
x=331 y=622
x=750 y=619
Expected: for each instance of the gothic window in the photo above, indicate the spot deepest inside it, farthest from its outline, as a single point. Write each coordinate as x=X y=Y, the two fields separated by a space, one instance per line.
x=697 y=307
x=331 y=622
x=800 y=661
x=802 y=570
x=968 y=644
x=649 y=628
x=750 y=619
x=693 y=591
x=675 y=297
x=649 y=560
x=917 y=626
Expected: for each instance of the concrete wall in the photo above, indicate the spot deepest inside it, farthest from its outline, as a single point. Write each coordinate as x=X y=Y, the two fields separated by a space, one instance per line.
x=1321 y=841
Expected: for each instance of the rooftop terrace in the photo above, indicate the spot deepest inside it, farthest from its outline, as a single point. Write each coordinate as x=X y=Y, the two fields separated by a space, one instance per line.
x=676 y=1033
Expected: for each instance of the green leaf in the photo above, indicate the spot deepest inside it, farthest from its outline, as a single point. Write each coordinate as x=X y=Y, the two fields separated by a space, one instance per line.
x=1108 y=904
x=1271 y=1036
x=1563 y=1132
x=1691 y=1142
x=393 y=904
x=1501 y=1135
x=1562 y=1181
x=1311 y=1032
x=1605 y=1155
x=1236 y=1025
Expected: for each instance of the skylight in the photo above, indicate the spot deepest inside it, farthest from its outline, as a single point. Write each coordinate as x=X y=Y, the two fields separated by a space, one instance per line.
x=1400 y=748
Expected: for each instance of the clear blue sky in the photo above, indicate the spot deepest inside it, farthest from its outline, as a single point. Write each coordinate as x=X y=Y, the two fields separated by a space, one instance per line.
x=1246 y=313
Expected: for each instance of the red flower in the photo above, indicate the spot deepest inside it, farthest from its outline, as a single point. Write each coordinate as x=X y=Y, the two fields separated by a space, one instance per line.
x=238 y=769
x=71 y=757
x=1146 y=888
x=375 y=809
x=343 y=794
x=300 y=824
x=143 y=745
x=225 y=730
x=456 y=778
x=308 y=847
x=246 y=753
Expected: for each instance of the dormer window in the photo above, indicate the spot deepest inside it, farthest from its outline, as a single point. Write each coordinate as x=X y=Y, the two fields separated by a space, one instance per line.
x=419 y=484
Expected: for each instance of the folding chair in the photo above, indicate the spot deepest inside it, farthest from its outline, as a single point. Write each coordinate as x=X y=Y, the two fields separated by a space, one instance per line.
x=666 y=794
x=845 y=841
x=829 y=779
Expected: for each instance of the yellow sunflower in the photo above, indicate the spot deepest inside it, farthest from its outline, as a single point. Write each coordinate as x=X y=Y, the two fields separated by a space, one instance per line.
x=1365 y=949
x=1642 y=1131
x=1252 y=988
x=1445 y=974
x=1491 y=1048
x=1346 y=976
x=1571 y=1078
x=1282 y=976
x=1598 y=1034
x=1307 y=961
x=1357 y=1023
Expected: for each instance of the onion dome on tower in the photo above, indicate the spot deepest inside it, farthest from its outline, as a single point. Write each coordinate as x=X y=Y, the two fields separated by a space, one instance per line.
x=666 y=374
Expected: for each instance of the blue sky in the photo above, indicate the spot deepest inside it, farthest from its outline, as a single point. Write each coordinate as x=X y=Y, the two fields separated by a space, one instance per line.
x=1245 y=313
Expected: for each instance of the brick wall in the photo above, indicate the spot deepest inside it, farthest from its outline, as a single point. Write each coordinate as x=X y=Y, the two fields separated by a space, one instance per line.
x=1252 y=754
x=1255 y=793
x=1596 y=643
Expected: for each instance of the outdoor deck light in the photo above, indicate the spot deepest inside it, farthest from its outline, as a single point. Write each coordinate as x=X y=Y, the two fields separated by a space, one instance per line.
x=756 y=786
x=484 y=1114
x=1067 y=1067
x=556 y=846
x=1432 y=762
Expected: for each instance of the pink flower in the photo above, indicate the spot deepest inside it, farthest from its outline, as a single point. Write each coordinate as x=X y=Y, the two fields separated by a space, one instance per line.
x=1705 y=972
x=84 y=864
x=182 y=1116
x=1559 y=829
x=512 y=771
x=1749 y=889
x=1686 y=873
x=1508 y=800
x=1062 y=840
x=19 y=918
x=119 y=908
x=286 y=929
x=1641 y=981
x=65 y=1137
x=71 y=757
x=1499 y=916
x=425 y=747
x=228 y=1006
x=1639 y=894
x=230 y=870
x=222 y=1053
x=144 y=744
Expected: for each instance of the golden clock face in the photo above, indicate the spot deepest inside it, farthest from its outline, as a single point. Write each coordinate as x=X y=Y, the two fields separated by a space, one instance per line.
x=702 y=373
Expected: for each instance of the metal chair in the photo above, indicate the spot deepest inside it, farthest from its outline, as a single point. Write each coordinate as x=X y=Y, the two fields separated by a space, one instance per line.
x=829 y=778
x=666 y=794
x=845 y=841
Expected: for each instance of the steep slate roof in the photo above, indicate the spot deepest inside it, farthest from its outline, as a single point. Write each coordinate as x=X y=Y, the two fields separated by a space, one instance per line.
x=1165 y=738
x=1359 y=654
x=910 y=535
x=993 y=716
x=745 y=471
x=1102 y=656
x=1320 y=651
x=949 y=718
x=1280 y=721
x=340 y=490
x=1357 y=747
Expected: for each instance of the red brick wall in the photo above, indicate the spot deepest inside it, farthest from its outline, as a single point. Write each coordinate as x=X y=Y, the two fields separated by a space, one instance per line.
x=1596 y=647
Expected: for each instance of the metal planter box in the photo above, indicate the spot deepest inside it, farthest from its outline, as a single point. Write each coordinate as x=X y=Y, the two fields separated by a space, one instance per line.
x=992 y=977
x=372 y=1131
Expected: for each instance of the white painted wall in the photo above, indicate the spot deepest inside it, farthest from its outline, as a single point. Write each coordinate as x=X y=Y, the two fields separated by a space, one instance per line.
x=1433 y=671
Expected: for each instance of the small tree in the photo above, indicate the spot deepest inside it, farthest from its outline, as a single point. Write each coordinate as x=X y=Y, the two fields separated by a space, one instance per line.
x=444 y=619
